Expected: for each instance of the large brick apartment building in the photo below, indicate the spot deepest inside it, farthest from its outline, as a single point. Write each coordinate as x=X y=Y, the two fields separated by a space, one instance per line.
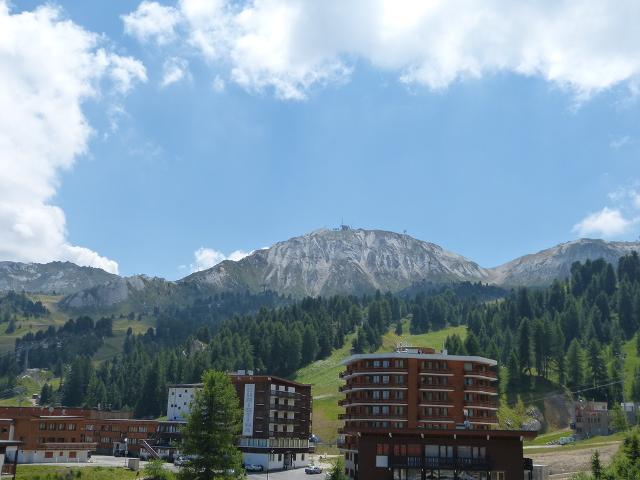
x=417 y=414
x=276 y=418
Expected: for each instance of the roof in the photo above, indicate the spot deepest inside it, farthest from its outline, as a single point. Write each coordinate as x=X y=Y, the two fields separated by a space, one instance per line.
x=420 y=356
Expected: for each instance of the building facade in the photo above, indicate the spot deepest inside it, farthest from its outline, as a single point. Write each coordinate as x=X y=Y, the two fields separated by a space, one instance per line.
x=276 y=414
x=415 y=414
x=68 y=435
x=591 y=418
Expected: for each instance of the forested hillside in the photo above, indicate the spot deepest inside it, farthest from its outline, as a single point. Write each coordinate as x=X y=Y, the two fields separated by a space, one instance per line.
x=570 y=333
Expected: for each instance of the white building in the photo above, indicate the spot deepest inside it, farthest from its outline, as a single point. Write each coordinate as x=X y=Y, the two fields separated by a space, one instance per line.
x=179 y=400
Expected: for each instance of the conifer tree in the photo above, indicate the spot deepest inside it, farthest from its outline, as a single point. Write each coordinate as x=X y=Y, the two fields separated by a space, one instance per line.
x=574 y=363
x=212 y=430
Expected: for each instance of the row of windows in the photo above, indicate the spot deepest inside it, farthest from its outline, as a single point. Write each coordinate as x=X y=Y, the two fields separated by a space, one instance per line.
x=58 y=426
x=440 y=381
x=434 y=365
x=379 y=395
x=397 y=363
x=378 y=424
x=434 y=396
x=384 y=379
x=434 y=411
x=60 y=454
x=441 y=451
x=382 y=410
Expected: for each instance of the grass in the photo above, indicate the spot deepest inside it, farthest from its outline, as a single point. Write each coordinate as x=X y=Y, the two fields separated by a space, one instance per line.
x=631 y=362
x=323 y=375
x=548 y=437
x=580 y=444
x=41 y=472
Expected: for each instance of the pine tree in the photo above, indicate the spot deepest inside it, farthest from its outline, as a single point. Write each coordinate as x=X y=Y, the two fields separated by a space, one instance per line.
x=597 y=371
x=212 y=430
x=471 y=344
x=337 y=471
x=626 y=315
x=513 y=368
x=524 y=346
x=596 y=466
x=309 y=345
x=574 y=364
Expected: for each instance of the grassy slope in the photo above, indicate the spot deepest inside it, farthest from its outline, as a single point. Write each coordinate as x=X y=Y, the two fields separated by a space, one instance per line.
x=323 y=375
x=33 y=472
x=631 y=362
x=112 y=346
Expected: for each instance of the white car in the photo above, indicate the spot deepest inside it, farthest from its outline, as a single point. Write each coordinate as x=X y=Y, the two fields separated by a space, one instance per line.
x=253 y=468
x=312 y=469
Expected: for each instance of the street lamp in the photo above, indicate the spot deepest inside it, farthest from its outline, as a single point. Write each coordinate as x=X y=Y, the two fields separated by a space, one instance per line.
x=126 y=441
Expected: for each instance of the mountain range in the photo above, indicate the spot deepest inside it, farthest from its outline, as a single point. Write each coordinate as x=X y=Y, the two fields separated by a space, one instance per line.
x=323 y=262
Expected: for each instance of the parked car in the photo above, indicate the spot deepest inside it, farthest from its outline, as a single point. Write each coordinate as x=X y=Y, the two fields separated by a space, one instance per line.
x=312 y=469
x=253 y=468
x=180 y=460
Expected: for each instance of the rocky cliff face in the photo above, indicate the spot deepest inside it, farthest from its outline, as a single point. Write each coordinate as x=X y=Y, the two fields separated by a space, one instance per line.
x=542 y=268
x=58 y=277
x=327 y=262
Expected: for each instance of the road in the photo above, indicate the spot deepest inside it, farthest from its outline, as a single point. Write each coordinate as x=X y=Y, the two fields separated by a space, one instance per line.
x=296 y=474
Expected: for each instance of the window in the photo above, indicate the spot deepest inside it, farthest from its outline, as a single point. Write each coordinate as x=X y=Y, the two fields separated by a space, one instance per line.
x=385 y=394
x=72 y=454
x=61 y=426
x=382 y=449
x=71 y=426
x=376 y=394
x=48 y=454
x=385 y=379
x=399 y=380
x=376 y=379
x=399 y=364
x=385 y=364
x=376 y=364
x=43 y=426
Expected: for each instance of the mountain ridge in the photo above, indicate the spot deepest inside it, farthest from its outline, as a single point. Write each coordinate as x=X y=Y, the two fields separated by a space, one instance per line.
x=322 y=262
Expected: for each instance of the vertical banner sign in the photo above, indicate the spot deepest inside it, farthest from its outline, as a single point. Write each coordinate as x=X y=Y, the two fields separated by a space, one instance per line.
x=247 y=421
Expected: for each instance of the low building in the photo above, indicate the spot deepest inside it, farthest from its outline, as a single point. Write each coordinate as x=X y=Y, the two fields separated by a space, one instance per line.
x=69 y=435
x=591 y=418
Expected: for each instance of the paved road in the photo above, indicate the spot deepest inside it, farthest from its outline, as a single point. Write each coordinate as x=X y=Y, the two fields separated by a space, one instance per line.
x=296 y=474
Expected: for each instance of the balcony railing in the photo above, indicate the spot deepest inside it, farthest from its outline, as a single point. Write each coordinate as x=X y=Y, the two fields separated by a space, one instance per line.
x=368 y=416
x=483 y=419
x=480 y=388
x=371 y=401
x=280 y=393
x=475 y=404
x=444 y=463
x=481 y=373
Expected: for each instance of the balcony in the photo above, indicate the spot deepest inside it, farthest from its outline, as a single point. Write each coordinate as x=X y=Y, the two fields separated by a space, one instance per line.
x=491 y=420
x=482 y=389
x=371 y=401
x=456 y=463
x=481 y=405
x=368 y=416
x=481 y=373
x=443 y=463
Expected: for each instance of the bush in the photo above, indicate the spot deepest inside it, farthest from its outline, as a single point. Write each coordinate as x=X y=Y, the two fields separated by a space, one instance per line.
x=155 y=471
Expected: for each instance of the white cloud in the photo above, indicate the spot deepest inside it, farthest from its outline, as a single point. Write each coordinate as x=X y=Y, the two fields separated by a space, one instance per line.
x=218 y=84
x=290 y=47
x=49 y=67
x=205 y=258
x=152 y=22
x=607 y=223
x=174 y=70
x=620 y=141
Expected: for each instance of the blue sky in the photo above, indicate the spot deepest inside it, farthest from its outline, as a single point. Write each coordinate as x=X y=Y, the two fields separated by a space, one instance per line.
x=492 y=162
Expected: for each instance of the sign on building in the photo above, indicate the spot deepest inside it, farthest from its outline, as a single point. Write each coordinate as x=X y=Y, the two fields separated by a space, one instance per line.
x=249 y=398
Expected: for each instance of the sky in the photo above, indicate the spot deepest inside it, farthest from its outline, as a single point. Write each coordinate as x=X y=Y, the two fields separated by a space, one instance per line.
x=163 y=137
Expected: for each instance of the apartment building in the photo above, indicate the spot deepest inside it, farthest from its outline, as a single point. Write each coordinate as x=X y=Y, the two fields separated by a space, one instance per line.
x=276 y=418
x=415 y=414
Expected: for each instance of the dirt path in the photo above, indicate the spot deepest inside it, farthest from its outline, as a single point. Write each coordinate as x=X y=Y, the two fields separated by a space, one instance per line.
x=575 y=460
